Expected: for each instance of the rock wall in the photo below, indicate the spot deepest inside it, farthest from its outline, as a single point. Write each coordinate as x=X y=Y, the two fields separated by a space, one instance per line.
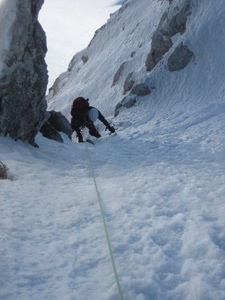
x=172 y=22
x=162 y=37
x=24 y=78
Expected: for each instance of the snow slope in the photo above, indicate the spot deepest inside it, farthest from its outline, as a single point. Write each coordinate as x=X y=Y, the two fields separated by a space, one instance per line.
x=160 y=179
x=69 y=26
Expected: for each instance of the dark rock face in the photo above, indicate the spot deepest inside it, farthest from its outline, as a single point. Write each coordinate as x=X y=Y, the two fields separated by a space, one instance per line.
x=127 y=102
x=50 y=132
x=3 y=171
x=24 y=78
x=118 y=74
x=162 y=37
x=141 y=90
x=128 y=83
x=55 y=124
x=179 y=58
x=60 y=122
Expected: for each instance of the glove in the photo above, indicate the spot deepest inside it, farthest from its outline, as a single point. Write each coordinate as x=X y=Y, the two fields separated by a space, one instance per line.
x=111 y=129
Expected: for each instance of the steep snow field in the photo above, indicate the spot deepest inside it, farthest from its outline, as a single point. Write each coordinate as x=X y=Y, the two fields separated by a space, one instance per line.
x=160 y=179
x=69 y=26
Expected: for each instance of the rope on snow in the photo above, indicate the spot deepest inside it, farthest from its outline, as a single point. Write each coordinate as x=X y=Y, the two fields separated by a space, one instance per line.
x=104 y=225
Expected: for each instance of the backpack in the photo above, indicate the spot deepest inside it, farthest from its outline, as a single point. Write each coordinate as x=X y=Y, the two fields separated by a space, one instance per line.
x=79 y=104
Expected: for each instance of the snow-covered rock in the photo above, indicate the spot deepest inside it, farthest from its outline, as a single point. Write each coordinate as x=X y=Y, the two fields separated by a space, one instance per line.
x=23 y=77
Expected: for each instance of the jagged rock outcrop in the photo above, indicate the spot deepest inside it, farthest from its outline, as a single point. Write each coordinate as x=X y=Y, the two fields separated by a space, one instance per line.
x=3 y=171
x=162 y=37
x=24 y=78
x=179 y=58
x=172 y=22
x=118 y=74
x=60 y=123
x=55 y=124
x=128 y=83
x=141 y=89
x=127 y=102
x=50 y=132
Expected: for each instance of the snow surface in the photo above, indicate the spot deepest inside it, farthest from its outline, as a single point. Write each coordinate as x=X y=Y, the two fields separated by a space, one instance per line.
x=160 y=181
x=69 y=26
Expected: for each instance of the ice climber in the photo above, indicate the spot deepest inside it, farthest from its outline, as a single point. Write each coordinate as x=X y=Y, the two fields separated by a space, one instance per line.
x=84 y=115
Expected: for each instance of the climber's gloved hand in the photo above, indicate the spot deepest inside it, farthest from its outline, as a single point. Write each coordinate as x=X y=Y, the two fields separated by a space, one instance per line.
x=111 y=129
